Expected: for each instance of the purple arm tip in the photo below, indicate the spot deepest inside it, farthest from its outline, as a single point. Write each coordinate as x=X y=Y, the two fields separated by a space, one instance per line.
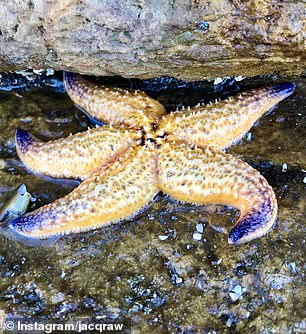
x=23 y=139
x=284 y=88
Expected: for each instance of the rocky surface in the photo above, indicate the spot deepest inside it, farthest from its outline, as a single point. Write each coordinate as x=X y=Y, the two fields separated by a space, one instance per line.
x=169 y=270
x=191 y=40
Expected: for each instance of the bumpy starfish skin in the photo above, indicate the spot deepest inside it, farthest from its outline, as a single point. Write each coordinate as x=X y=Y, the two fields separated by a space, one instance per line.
x=179 y=154
x=204 y=176
x=114 y=193
x=114 y=106
x=223 y=123
x=76 y=156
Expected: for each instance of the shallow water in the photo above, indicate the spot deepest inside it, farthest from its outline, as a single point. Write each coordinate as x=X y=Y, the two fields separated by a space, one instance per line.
x=150 y=270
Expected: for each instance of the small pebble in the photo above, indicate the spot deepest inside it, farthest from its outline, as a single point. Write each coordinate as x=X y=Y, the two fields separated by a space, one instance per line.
x=217 y=81
x=229 y=322
x=28 y=119
x=218 y=229
x=249 y=136
x=236 y=293
x=151 y=217
x=59 y=297
x=10 y=143
x=239 y=78
x=178 y=280
x=136 y=308
x=2 y=164
x=197 y=236
x=200 y=228
x=293 y=268
x=38 y=71
x=163 y=237
x=216 y=263
x=281 y=119
x=285 y=167
x=49 y=71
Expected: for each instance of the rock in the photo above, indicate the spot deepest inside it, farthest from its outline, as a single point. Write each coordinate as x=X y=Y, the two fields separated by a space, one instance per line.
x=191 y=40
x=200 y=228
x=236 y=292
x=197 y=236
x=57 y=298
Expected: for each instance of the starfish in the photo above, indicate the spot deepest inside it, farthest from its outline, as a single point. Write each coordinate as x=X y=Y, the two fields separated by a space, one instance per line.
x=141 y=151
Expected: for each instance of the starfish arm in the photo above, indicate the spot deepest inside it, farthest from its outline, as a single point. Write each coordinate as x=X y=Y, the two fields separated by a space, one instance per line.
x=115 y=106
x=223 y=123
x=115 y=193
x=204 y=176
x=76 y=156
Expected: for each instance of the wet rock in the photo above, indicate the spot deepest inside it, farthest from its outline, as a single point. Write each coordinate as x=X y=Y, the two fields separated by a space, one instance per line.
x=29 y=79
x=188 y=39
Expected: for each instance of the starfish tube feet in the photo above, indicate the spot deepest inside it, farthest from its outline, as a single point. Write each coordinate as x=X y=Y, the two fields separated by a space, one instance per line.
x=204 y=176
x=223 y=123
x=76 y=156
x=115 y=106
x=114 y=193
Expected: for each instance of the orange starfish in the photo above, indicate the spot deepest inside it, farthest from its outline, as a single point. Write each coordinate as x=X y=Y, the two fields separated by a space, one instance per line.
x=142 y=151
